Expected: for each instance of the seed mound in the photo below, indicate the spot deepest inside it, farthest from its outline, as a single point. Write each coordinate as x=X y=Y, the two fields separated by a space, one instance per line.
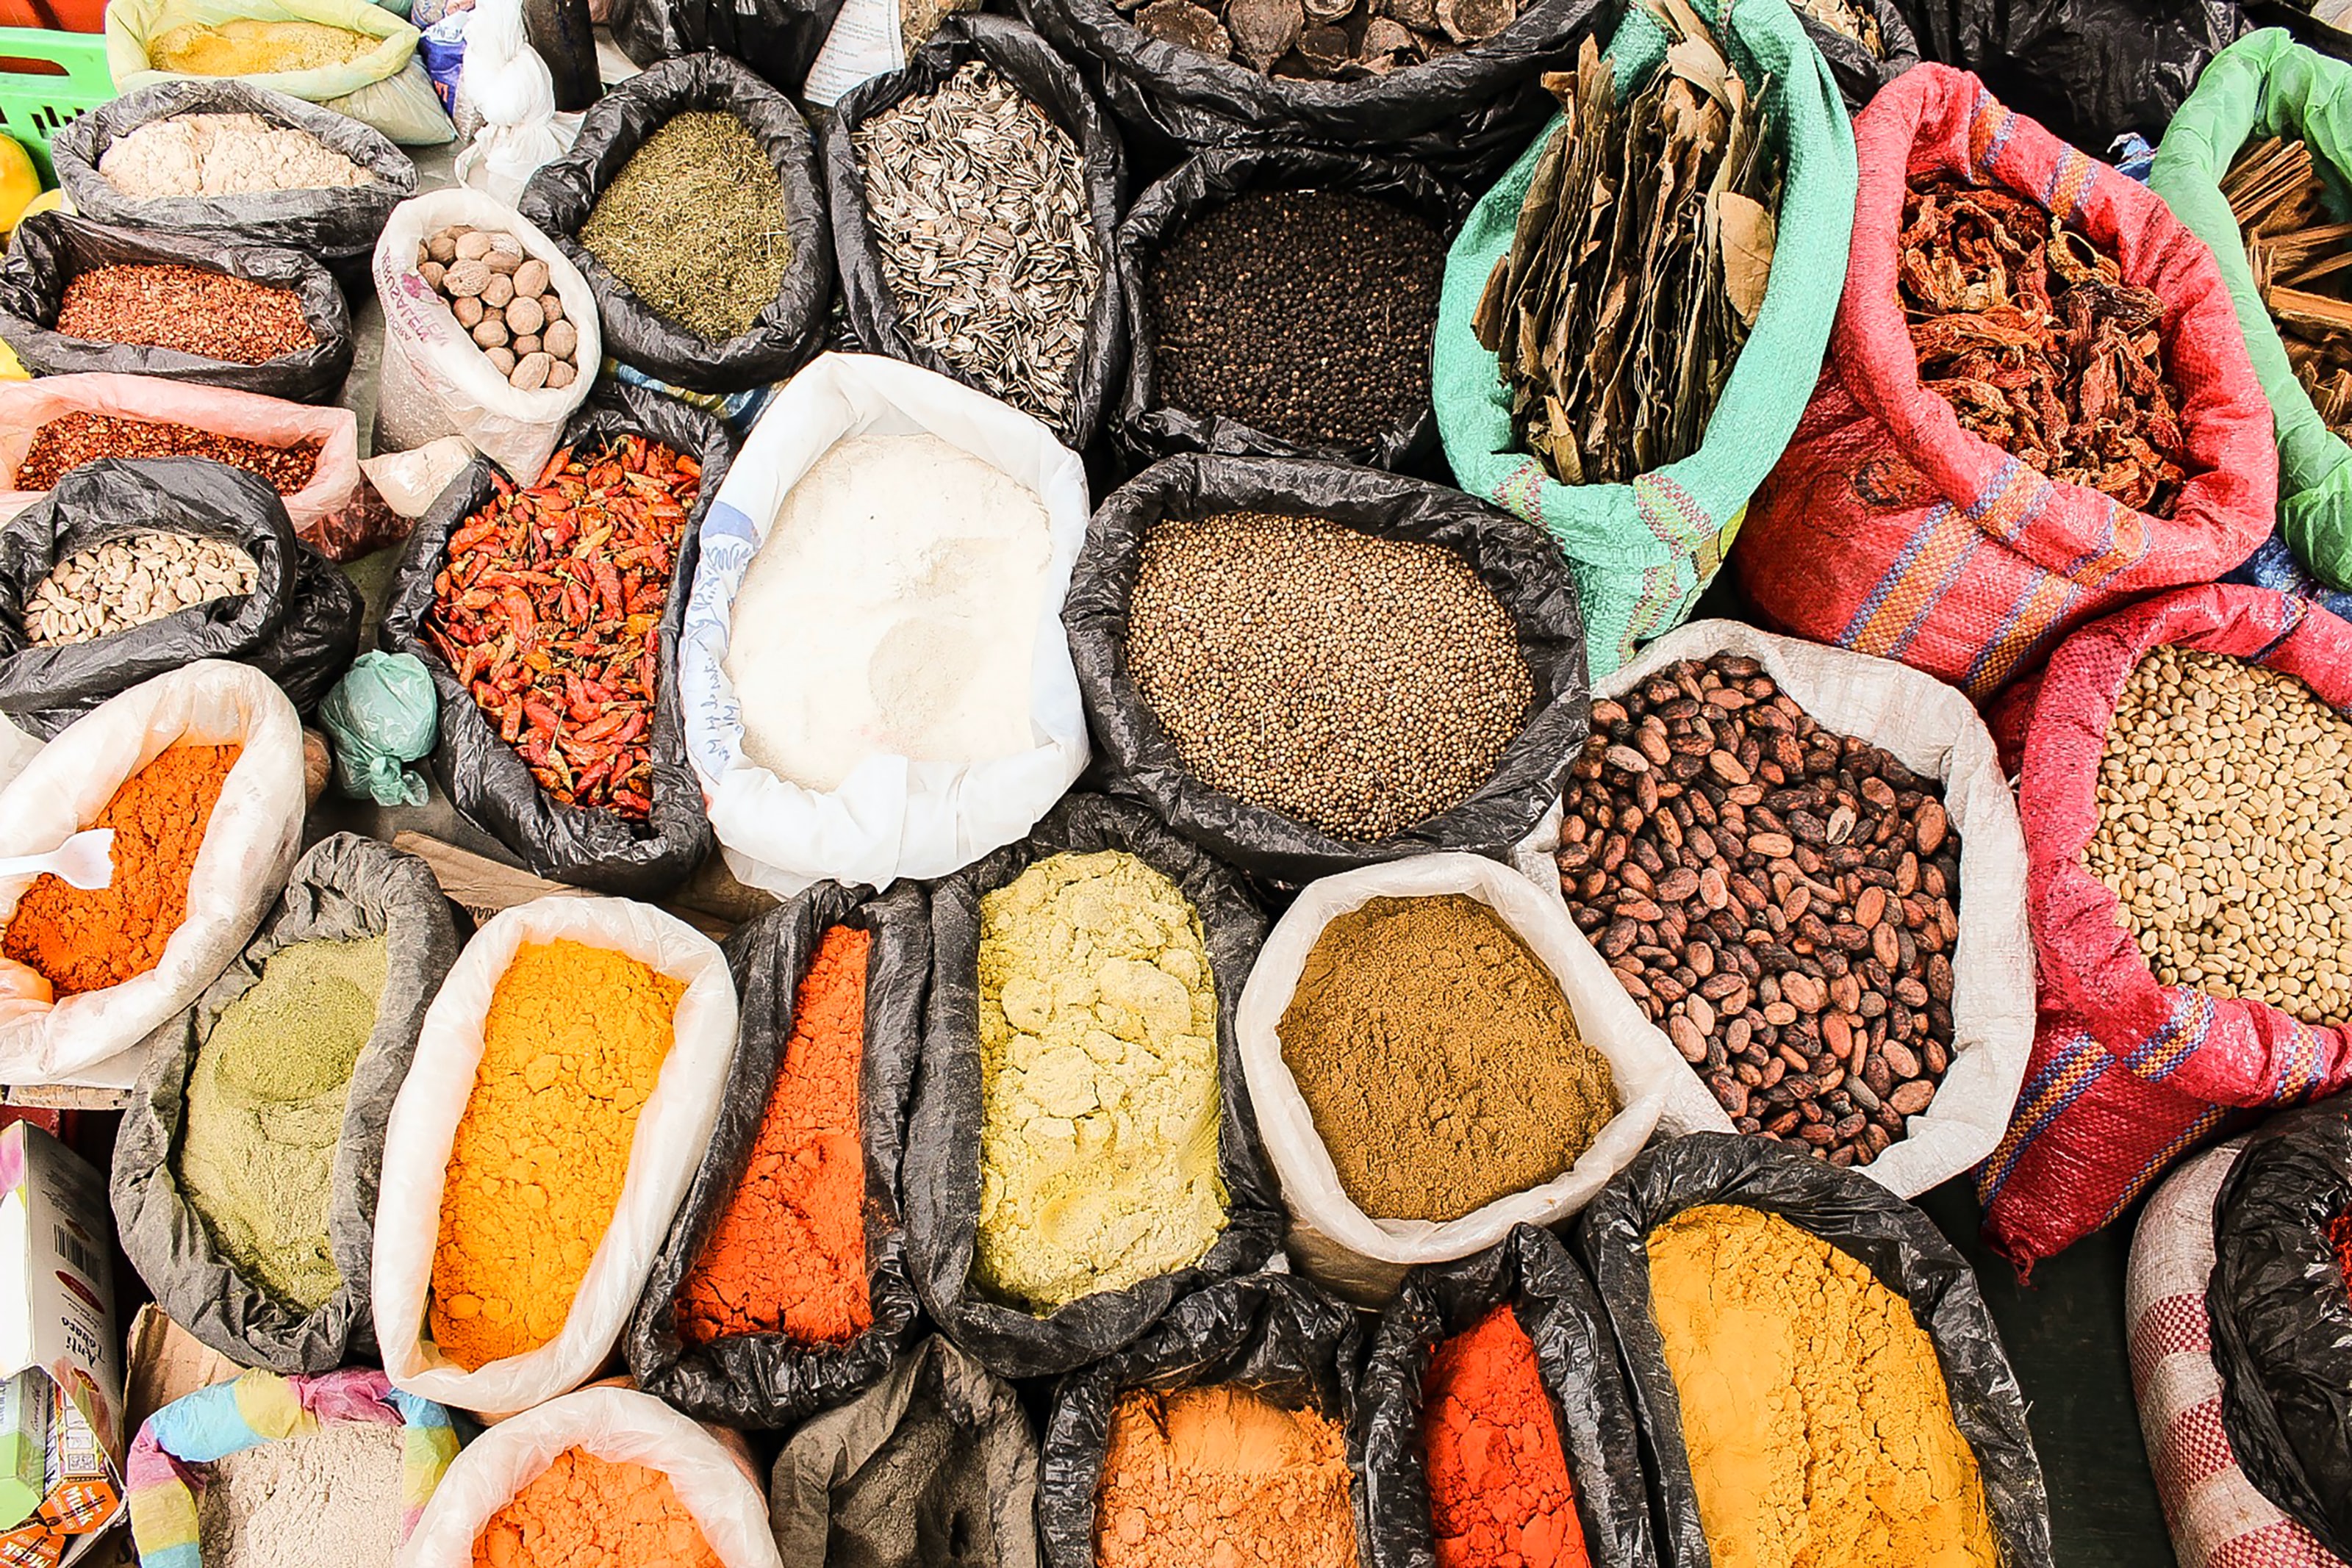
x=1359 y=684
x=71 y=440
x=696 y=224
x=165 y=305
x=129 y=582
x=2222 y=828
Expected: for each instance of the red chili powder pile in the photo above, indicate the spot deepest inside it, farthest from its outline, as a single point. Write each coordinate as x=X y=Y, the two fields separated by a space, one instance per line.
x=586 y=1512
x=1498 y=1489
x=1221 y=1478
x=87 y=941
x=788 y=1255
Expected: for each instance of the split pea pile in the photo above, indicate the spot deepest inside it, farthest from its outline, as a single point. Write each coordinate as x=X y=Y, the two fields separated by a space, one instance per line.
x=1359 y=684
x=2222 y=810
x=132 y=580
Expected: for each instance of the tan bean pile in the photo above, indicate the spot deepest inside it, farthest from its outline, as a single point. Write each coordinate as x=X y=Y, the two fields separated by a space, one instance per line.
x=130 y=582
x=2223 y=805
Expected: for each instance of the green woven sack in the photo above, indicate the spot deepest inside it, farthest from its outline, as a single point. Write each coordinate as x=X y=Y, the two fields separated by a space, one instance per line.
x=2265 y=85
x=1642 y=552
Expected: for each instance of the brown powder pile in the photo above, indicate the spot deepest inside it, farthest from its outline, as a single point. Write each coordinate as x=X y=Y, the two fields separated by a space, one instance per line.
x=1439 y=1060
x=1221 y=1477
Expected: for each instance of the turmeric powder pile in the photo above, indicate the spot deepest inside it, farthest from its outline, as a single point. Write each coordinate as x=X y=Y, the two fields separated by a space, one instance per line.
x=247 y=46
x=583 y=1512
x=1819 y=1429
x=571 y=1048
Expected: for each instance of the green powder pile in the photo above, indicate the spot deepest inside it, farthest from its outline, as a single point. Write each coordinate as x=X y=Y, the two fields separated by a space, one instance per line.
x=265 y=1109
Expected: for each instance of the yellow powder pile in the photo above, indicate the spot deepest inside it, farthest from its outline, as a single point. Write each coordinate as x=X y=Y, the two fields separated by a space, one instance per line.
x=1814 y=1413
x=246 y=47
x=1221 y=1478
x=1099 y=1082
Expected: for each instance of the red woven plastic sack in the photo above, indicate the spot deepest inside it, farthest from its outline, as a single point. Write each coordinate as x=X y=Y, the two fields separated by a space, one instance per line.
x=2127 y=1073
x=1890 y=529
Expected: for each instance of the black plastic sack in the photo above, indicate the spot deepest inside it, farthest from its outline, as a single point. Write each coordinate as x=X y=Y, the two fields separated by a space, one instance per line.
x=935 y=1467
x=2283 y=1319
x=1575 y=1352
x=2088 y=69
x=488 y=779
x=766 y=1380
x=1863 y=1220
x=1055 y=87
x=347 y=888
x=1273 y=1333
x=779 y=39
x=50 y=248
x=1519 y=562
x=299 y=626
x=1860 y=74
x=1148 y=428
x=942 y=1174
x=1468 y=113
x=331 y=224
x=562 y=196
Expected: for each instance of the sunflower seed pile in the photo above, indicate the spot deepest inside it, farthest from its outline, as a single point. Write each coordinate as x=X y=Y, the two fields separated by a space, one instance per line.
x=978 y=205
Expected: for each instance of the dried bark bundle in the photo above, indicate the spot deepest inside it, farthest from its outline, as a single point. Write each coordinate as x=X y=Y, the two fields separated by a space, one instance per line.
x=2301 y=264
x=1639 y=263
x=2027 y=328
x=1325 y=39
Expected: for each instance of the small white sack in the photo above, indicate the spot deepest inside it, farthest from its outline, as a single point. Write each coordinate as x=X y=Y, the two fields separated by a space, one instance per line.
x=1338 y=1243
x=1931 y=729
x=892 y=817
x=667 y=1146
x=616 y=1424
x=434 y=381
x=249 y=847
x=506 y=80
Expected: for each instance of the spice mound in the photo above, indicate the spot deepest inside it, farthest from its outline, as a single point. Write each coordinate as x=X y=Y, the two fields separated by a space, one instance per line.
x=549 y=611
x=572 y=1048
x=71 y=440
x=1359 y=684
x=223 y=155
x=1344 y=40
x=977 y=208
x=787 y=1254
x=922 y=1499
x=1439 y=1058
x=507 y=302
x=1782 y=901
x=165 y=305
x=2028 y=328
x=1099 y=1082
x=88 y=940
x=265 y=1113
x=1499 y=1495
x=891 y=612
x=1221 y=1476
x=129 y=582
x=1603 y=387
x=247 y=46
x=2296 y=251
x=1306 y=314
x=583 y=1511
x=2223 y=829
x=696 y=224
x=332 y=1495
x=1814 y=1412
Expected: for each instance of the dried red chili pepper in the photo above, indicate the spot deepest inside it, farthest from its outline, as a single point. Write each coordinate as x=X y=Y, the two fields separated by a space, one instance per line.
x=2028 y=328
x=71 y=440
x=549 y=611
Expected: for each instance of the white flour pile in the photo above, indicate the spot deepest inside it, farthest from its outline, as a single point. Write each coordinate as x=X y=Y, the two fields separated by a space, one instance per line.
x=330 y=1497
x=891 y=612
x=223 y=155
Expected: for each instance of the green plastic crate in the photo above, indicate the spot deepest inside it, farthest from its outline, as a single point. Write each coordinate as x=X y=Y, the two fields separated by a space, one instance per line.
x=34 y=108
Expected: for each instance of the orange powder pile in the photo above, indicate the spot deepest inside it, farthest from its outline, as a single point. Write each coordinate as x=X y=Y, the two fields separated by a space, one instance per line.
x=572 y=1047
x=788 y=1255
x=1498 y=1489
x=1221 y=1478
x=586 y=1512
x=87 y=941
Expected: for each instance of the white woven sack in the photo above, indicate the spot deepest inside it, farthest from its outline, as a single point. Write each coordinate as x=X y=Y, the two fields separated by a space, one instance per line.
x=1932 y=731
x=671 y=1132
x=892 y=817
x=2217 y=1517
x=1336 y=1241
x=249 y=847
x=616 y=1424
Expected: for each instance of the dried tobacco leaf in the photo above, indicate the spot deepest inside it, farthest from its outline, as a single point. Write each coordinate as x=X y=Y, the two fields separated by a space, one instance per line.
x=2299 y=260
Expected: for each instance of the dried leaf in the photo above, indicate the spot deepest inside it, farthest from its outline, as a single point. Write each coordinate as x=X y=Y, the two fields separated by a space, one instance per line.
x=1748 y=237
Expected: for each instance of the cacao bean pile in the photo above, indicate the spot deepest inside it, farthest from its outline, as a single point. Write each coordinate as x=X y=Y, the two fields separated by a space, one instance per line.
x=2225 y=829
x=129 y=582
x=506 y=303
x=2300 y=261
x=1344 y=40
x=1781 y=900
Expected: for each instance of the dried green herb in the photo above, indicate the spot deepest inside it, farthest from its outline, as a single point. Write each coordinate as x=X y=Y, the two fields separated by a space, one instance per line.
x=695 y=223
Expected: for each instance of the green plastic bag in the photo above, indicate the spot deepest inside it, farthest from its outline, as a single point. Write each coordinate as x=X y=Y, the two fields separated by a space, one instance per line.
x=1642 y=552
x=385 y=87
x=380 y=716
x=2266 y=85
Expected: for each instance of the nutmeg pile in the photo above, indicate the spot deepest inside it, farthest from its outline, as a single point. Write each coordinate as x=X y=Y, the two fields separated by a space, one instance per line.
x=507 y=301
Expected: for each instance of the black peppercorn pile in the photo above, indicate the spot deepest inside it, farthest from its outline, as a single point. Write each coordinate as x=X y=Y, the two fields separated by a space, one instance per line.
x=1304 y=314
x=1359 y=684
